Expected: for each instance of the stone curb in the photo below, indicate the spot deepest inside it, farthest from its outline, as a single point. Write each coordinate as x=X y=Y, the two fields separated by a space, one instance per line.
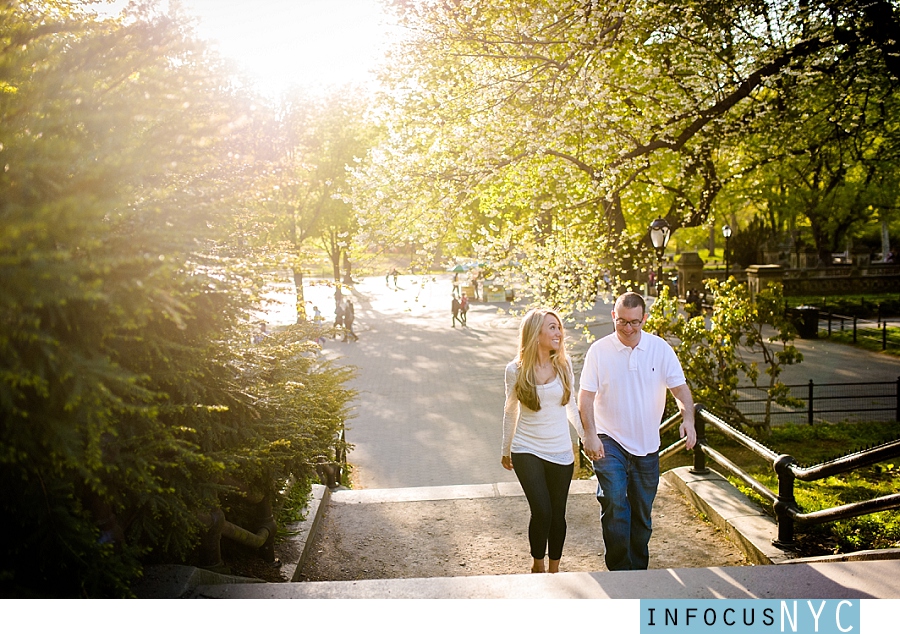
x=746 y=524
x=449 y=492
x=844 y=580
x=303 y=533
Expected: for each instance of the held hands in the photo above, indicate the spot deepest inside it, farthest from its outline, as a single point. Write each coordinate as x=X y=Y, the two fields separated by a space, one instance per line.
x=506 y=461
x=593 y=447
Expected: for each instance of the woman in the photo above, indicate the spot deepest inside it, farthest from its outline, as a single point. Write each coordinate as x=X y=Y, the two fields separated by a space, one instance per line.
x=540 y=399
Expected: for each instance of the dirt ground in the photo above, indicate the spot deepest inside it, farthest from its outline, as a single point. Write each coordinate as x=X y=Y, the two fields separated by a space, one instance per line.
x=489 y=536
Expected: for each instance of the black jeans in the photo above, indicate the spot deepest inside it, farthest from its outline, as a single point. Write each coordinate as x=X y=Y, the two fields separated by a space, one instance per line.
x=546 y=487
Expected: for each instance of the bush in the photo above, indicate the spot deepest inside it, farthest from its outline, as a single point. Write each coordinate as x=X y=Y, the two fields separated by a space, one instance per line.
x=713 y=353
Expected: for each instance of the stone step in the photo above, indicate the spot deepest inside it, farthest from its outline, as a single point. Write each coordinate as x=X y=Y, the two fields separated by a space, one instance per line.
x=834 y=580
x=498 y=513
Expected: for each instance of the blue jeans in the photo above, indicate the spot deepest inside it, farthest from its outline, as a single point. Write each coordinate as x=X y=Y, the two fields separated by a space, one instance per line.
x=626 y=488
x=546 y=487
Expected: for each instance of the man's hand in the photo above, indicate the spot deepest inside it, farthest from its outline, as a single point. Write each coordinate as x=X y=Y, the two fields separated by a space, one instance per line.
x=593 y=447
x=685 y=403
x=506 y=461
x=687 y=430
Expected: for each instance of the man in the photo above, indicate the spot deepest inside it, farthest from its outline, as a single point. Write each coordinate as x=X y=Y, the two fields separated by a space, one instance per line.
x=622 y=397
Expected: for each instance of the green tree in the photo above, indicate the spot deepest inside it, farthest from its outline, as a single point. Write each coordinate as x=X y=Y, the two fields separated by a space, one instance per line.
x=615 y=113
x=302 y=195
x=715 y=355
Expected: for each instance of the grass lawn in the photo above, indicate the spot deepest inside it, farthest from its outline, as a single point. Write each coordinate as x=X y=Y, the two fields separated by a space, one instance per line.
x=867 y=338
x=863 y=306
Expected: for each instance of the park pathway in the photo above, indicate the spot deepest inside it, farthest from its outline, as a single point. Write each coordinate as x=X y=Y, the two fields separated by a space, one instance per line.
x=431 y=396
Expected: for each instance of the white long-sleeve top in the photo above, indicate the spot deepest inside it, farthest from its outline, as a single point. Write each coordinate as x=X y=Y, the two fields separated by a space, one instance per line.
x=543 y=433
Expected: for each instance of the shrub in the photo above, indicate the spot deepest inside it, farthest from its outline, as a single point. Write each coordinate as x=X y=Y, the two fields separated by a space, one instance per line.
x=131 y=397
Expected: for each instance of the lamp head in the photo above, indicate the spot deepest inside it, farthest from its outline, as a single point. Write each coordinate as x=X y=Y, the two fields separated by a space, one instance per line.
x=659 y=233
x=726 y=231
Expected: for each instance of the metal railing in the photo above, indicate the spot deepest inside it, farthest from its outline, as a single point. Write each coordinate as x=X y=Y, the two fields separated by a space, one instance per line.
x=826 y=402
x=863 y=329
x=787 y=512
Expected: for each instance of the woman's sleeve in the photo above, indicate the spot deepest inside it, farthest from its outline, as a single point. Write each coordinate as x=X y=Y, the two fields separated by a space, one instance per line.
x=510 y=410
x=572 y=412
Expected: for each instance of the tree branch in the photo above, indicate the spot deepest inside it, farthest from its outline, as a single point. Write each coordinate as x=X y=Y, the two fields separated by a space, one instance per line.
x=754 y=80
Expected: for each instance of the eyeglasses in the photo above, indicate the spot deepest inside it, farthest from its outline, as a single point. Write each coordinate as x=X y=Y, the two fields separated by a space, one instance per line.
x=634 y=323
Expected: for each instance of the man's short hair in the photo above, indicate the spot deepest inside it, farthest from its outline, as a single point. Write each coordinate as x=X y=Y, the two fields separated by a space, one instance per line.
x=632 y=300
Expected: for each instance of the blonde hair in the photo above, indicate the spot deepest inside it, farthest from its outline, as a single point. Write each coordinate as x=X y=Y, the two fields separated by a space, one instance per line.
x=529 y=332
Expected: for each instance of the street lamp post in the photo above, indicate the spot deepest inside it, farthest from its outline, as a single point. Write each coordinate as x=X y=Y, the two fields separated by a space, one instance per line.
x=659 y=236
x=726 y=231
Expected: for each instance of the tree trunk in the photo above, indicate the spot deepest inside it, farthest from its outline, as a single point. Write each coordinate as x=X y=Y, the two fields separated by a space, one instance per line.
x=336 y=265
x=298 y=288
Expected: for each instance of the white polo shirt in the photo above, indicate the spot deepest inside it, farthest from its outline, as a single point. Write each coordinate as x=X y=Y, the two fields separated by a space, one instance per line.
x=631 y=388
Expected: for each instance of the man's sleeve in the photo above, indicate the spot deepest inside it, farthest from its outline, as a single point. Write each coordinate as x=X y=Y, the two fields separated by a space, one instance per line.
x=674 y=372
x=589 y=380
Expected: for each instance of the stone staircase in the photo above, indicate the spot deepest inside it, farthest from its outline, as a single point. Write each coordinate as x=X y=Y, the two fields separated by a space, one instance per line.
x=471 y=542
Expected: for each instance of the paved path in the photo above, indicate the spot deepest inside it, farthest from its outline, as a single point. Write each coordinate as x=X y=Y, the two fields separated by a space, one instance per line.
x=432 y=396
x=826 y=362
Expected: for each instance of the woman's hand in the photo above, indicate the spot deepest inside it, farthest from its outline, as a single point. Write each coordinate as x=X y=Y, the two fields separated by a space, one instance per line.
x=506 y=461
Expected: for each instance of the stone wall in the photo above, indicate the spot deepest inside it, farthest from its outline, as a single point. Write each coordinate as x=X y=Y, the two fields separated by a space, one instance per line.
x=846 y=279
x=843 y=280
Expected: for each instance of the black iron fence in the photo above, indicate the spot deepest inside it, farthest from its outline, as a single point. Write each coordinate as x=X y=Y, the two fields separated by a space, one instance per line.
x=876 y=333
x=826 y=402
x=813 y=322
x=784 y=505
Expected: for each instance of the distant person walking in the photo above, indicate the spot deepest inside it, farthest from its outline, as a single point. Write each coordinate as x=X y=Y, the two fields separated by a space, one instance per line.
x=318 y=322
x=476 y=279
x=622 y=398
x=540 y=404
x=338 y=317
x=454 y=308
x=349 y=318
x=260 y=336
x=464 y=309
